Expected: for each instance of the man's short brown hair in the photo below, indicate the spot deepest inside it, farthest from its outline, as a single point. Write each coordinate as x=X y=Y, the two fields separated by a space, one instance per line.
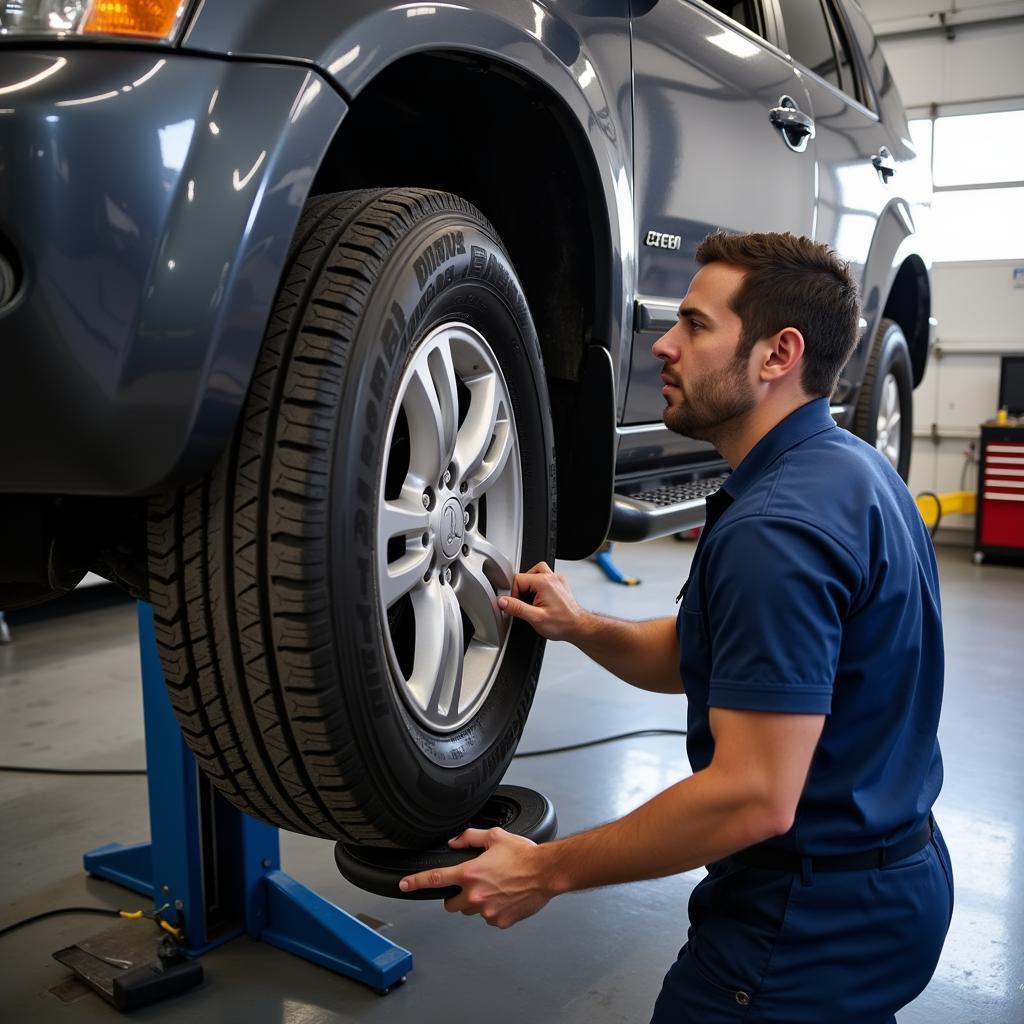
x=792 y=281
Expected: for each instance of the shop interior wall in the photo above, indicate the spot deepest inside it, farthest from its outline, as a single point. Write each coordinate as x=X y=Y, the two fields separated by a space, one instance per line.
x=979 y=311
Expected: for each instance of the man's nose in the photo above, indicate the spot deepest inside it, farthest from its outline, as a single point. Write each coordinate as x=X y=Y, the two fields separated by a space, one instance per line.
x=664 y=349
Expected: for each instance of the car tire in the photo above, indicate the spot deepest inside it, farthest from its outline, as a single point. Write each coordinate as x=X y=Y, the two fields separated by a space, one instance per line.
x=333 y=650
x=885 y=407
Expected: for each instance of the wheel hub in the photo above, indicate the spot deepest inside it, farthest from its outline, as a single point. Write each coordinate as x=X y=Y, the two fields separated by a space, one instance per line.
x=450 y=529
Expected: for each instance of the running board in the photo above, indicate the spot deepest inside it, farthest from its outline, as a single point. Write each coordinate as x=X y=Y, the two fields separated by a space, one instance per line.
x=648 y=511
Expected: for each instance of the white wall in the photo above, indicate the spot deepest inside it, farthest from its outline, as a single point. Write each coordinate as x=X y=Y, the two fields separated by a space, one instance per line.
x=983 y=62
x=979 y=311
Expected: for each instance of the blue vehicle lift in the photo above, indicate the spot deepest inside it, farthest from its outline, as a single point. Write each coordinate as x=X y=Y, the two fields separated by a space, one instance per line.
x=221 y=869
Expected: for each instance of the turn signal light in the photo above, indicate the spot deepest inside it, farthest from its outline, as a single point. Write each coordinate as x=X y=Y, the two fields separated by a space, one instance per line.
x=154 y=19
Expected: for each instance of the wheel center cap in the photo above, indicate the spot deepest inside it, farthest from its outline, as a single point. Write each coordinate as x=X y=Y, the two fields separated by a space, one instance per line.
x=452 y=526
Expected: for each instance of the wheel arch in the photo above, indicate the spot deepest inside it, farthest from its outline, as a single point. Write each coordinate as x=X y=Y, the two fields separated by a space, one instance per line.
x=537 y=177
x=895 y=286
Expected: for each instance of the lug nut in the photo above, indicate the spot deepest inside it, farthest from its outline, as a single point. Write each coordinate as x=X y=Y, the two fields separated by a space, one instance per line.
x=447 y=575
x=463 y=487
x=465 y=518
x=447 y=478
x=426 y=499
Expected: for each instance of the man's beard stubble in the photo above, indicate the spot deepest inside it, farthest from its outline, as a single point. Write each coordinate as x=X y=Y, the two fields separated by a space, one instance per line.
x=711 y=404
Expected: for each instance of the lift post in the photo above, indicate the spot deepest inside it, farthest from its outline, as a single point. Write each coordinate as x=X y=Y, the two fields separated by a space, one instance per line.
x=219 y=869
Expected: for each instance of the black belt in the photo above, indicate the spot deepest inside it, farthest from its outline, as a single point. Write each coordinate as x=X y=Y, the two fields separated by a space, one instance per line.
x=786 y=860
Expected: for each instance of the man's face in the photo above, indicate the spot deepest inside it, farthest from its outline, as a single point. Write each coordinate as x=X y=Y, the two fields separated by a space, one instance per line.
x=706 y=386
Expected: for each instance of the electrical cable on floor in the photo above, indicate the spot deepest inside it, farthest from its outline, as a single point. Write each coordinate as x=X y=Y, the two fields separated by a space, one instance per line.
x=131 y=915
x=525 y=753
x=107 y=912
x=71 y=771
x=598 y=742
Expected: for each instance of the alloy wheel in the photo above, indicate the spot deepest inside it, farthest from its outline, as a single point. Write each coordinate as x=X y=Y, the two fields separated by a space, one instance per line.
x=450 y=524
x=887 y=437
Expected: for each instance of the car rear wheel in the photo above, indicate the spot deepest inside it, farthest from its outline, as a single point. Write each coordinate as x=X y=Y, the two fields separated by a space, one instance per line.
x=884 y=416
x=326 y=600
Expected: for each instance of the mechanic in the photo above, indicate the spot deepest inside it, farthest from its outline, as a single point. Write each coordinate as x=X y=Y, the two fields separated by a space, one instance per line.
x=809 y=641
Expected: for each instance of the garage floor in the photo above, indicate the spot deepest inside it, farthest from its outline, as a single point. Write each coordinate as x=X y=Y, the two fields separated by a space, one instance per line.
x=69 y=697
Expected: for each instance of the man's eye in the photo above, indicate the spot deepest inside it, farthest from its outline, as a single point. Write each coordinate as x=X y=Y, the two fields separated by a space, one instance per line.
x=696 y=325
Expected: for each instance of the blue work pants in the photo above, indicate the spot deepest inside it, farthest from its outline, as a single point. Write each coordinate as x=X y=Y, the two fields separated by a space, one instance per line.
x=845 y=947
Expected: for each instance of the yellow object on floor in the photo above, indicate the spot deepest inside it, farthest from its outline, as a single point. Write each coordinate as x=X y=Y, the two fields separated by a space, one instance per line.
x=934 y=507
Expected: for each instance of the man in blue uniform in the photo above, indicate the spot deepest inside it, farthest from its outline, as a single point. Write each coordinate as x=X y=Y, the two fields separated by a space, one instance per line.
x=809 y=644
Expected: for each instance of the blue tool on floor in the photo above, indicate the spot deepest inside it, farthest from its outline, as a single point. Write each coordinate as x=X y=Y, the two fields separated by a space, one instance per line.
x=220 y=870
x=603 y=557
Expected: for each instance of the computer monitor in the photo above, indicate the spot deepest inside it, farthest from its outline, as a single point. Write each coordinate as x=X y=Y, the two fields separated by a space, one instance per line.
x=1011 y=385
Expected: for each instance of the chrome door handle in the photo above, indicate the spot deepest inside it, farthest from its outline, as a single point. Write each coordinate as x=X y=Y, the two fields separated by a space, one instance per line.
x=794 y=121
x=797 y=127
x=884 y=164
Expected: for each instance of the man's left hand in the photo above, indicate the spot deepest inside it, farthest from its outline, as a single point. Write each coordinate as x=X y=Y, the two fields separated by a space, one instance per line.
x=502 y=884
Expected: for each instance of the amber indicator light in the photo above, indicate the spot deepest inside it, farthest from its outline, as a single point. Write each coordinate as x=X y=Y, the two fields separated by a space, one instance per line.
x=151 y=18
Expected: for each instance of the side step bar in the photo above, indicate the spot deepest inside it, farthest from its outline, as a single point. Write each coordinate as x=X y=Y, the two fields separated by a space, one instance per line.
x=656 y=509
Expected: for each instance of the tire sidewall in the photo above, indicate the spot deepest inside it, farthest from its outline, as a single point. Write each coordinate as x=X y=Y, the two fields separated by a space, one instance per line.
x=448 y=268
x=894 y=358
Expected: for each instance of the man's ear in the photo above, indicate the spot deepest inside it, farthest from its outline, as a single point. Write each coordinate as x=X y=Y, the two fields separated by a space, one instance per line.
x=784 y=354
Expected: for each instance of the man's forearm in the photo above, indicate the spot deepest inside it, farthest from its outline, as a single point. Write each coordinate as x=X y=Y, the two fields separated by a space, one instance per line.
x=645 y=654
x=696 y=822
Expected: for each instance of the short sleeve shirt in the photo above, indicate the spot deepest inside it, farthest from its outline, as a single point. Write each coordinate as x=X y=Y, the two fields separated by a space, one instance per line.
x=814 y=590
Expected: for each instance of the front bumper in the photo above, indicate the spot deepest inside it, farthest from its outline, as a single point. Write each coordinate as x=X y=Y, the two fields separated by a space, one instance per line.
x=149 y=198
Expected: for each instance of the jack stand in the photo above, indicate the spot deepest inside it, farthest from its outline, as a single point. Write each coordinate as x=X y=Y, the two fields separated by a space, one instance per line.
x=220 y=869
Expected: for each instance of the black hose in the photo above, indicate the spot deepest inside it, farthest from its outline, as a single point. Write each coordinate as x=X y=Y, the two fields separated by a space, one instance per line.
x=53 y=913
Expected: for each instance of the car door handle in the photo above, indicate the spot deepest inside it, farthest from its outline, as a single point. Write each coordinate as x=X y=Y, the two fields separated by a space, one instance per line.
x=884 y=164
x=793 y=121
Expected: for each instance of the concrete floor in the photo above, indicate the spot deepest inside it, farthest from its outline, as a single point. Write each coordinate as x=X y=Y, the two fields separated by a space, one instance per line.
x=69 y=697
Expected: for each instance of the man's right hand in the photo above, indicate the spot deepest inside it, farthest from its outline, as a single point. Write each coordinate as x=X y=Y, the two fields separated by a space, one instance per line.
x=554 y=613
x=644 y=654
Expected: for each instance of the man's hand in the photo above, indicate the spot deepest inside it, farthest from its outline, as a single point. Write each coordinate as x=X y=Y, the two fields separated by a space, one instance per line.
x=554 y=613
x=502 y=885
x=644 y=654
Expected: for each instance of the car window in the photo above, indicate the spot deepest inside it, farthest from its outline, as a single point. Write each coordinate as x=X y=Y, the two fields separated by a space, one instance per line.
x=744 y=12
x=809 y=39
x=871 y=49
x=847 y=73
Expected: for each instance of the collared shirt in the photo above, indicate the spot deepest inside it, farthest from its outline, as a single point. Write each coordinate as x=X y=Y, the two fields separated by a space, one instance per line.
x=814 y=590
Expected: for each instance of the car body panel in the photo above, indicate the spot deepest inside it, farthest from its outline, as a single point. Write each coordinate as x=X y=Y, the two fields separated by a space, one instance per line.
x=152 y=203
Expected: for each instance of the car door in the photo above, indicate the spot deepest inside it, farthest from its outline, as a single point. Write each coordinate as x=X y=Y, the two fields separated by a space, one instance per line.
x=852 y=147
x=853 y=150
x=707 y=155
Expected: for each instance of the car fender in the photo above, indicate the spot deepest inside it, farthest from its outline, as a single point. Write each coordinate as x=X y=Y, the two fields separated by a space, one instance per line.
x=153 y=220
x=352 y=43
x=895 y=239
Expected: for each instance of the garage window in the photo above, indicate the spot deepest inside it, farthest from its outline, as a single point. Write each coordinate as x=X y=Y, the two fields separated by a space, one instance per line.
x=977 y=167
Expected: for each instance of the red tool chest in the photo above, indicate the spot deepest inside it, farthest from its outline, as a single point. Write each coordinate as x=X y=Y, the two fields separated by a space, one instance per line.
x=999 y=521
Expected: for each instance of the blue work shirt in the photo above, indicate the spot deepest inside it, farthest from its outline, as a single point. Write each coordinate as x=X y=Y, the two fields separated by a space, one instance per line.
x=814 y=590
